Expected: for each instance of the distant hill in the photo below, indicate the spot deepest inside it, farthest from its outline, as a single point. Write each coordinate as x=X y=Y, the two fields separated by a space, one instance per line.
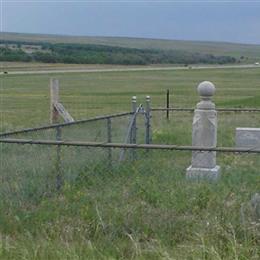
x=252 y=52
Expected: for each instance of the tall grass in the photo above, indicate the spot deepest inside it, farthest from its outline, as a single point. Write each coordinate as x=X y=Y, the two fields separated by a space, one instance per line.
x=124 y=215
x=144 y=209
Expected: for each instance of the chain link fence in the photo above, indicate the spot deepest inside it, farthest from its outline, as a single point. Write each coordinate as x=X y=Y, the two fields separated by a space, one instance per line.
x=177 y=130
x=135 y=194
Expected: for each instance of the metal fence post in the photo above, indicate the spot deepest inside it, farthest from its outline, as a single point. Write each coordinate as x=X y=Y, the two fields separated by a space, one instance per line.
x=148 y=136
x=109 y=140
x=134 y=128
x=167 y=103
x=59 y=179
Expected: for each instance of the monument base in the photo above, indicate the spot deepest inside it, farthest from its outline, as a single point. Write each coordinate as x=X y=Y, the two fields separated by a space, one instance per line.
x=211 y=174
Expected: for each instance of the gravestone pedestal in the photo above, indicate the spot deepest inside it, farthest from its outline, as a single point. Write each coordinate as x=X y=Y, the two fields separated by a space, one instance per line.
x=204 y=134
x=203 y=173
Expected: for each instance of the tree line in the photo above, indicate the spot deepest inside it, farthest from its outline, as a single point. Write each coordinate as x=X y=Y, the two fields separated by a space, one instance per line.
x=102 y=54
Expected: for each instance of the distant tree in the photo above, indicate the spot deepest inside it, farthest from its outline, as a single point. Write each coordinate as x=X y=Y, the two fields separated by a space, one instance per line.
x=101 y=54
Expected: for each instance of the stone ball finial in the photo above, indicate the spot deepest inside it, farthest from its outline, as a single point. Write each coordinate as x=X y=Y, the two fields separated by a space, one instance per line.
x=206 y=89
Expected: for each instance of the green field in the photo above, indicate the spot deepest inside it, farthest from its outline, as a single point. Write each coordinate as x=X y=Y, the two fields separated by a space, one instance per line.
x=25 y=98
x=215 y=48
x=144 y=209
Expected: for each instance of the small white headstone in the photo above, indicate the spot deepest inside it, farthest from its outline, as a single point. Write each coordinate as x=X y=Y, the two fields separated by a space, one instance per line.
x=248 y=137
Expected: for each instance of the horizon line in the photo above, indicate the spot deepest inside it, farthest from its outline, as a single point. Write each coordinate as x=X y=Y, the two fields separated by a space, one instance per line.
x=128 y=37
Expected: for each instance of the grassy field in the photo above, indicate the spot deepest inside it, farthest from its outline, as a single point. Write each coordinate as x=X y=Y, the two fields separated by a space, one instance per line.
x=144 y=209
x=25 y=98
x=216 y=48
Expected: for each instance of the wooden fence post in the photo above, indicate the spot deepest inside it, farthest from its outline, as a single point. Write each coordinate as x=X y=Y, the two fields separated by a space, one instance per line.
x=54 y=118
x=54 y=99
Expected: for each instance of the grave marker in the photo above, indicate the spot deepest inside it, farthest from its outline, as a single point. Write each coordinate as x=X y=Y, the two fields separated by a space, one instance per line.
x=248 y=137
x=204 y=134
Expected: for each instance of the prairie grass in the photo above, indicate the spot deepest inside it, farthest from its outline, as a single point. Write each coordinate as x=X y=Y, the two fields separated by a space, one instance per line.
x=143 y=209
x=135 y=210
x=25 y=98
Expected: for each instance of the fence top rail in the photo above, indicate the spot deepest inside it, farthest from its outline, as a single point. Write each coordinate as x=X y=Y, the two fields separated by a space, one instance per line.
x=218 y=109
x=26 y=130
x=131 y=146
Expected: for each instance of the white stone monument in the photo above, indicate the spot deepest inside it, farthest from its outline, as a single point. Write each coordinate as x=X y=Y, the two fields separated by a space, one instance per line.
x=248 y=137
x=204 y=134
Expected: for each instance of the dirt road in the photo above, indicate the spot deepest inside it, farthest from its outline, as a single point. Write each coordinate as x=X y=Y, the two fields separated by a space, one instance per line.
x=89 y=70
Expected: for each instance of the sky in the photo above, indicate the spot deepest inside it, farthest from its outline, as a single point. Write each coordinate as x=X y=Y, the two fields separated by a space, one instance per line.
x=229 y=21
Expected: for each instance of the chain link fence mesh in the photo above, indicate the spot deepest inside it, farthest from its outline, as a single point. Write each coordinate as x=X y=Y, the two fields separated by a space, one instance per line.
x=140 y=203
x=28 y=170
x=177 y=130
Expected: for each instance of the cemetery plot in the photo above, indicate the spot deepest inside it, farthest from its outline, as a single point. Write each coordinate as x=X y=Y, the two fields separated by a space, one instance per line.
x=68 y=178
